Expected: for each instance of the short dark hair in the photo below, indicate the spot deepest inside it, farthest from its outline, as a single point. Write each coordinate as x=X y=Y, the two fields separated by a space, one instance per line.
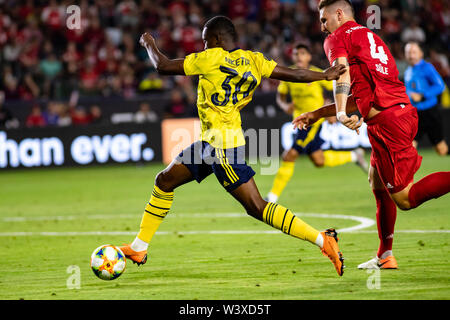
x=222 y=25
x=326 y=3
x=417 y=43
x=303 y=46
x=425 y=52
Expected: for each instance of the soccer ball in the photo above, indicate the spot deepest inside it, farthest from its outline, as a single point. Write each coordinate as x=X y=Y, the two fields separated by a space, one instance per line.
x=108 y=262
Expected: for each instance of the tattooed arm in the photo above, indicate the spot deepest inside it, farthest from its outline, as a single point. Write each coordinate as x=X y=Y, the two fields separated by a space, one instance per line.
x=341 y=90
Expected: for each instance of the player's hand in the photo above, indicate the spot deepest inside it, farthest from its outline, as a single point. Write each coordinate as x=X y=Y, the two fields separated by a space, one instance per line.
x=147 y=40
x=333 y=73
x=416 y=97
x=353 y=122
x=304 y=121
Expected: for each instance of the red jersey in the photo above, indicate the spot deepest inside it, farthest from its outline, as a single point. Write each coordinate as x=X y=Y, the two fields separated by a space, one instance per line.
x=373 y=70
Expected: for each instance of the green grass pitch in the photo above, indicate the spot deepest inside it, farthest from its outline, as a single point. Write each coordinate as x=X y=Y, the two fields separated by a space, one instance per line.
x=187 y=262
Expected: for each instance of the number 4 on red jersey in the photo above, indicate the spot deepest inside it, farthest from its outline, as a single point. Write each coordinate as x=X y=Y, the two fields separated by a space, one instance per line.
x=373 y=70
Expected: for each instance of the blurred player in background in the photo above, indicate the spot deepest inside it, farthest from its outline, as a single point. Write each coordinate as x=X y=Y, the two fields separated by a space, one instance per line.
x=380 y=97
x=228 y=77
x=423 y=86
x=307 y=97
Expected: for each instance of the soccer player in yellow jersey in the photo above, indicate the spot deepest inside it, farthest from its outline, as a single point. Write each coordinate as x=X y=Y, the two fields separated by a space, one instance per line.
x=307 y=97
x=228 y=77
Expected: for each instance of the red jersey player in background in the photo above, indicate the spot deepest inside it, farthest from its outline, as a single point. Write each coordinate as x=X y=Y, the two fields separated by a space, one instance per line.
x=372 y=80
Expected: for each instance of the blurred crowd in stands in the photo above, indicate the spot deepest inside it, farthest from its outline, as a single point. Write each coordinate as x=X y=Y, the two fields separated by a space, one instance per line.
x=43 y=61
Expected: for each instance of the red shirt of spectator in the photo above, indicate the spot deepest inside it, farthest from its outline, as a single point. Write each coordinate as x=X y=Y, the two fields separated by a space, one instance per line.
x=237 y=9
x=177 y=7
x=71 y=54
x=26 y=10
x=190 y=37
x=95 y=34
x=89 y=77
x=53 y=15
x=35 y=119
x=77 y=35
x=80 y=116
x=391 y=26
x=29 y=56
x=31 y=32
x=127 y=8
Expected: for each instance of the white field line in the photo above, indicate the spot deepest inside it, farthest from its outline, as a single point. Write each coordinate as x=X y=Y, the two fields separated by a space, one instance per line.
x=219 y=232
x=364 y=223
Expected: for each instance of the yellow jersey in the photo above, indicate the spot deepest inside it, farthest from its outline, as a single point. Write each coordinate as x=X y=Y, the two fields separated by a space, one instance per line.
x=227 y=82
x=306 y=97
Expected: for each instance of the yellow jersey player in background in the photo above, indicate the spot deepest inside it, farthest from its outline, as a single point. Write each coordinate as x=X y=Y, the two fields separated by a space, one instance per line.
x=228 y=77
x=307 y=97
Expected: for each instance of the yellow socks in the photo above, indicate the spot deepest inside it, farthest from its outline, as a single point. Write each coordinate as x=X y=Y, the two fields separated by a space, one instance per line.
x=283 y=219
x=155 y=211
x=283 y=176
x=337 y=158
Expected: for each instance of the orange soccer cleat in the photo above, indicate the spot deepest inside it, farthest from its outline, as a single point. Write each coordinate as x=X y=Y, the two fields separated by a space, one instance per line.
x=388 y=263
x=331 y=250
x=139 y=257
x=377 y=263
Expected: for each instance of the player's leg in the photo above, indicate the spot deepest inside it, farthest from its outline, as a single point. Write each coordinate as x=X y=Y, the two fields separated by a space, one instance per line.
x=430 y=187
x=274 y=214
x=185 y=168
x=441 y=148
x=284 y=174
x=236 y=176
x=332 y=158
x=176 y=174
x=318 y=158
x=399 y=161
x=386 y=216
x=435 y=131
x=156 y=209
x=283 y=219
x=421 y=130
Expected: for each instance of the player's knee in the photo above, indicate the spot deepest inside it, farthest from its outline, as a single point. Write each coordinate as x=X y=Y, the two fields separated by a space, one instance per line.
x=289 y=155
x=164 y=181
x=403 y=204
x=442 y=149
x=318 y=163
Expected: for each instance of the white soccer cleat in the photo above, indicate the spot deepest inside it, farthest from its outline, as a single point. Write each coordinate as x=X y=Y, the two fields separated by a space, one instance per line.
x=371 y=264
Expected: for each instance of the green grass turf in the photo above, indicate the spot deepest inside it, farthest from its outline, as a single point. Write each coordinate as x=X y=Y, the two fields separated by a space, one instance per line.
x=212 y=266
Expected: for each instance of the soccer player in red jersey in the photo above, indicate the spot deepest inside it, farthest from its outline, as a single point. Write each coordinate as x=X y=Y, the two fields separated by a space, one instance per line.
x=371 y=86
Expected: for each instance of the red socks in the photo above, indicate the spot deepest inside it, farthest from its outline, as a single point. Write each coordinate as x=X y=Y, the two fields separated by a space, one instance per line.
x=432 y=186
x=386 y=216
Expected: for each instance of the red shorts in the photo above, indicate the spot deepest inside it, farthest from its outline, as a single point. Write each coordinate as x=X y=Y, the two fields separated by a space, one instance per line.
x=391 y=133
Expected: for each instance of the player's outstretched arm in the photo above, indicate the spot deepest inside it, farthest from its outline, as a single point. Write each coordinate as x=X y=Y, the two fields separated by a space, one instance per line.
x=161 y=63
x=307 y=119
x=306 y=75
